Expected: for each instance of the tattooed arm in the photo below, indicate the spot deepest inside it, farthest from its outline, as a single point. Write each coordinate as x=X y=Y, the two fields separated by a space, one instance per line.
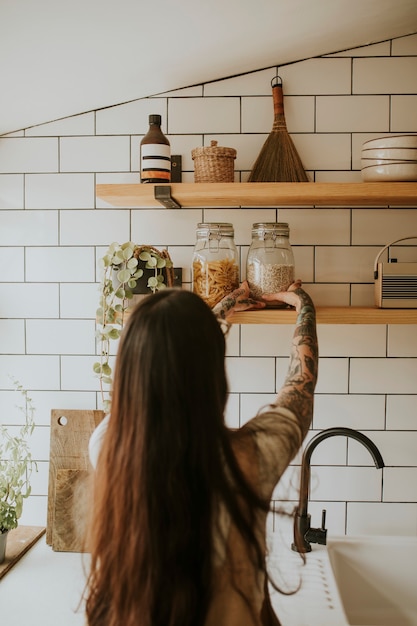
x=297 y=392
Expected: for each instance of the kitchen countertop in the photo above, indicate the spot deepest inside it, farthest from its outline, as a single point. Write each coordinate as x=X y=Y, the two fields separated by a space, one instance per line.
x=317 y=601
x=45 y=587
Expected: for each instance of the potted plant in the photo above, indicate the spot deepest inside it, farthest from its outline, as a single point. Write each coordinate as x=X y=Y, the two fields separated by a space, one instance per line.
x=128 y=269
x=16 y=466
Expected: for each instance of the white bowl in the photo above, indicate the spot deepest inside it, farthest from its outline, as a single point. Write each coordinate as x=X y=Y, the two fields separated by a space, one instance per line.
x=400 y=172
x=392 y=141
x=395 y=154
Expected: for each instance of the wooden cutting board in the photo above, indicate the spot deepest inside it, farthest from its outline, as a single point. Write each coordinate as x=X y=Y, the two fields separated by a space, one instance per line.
x=68 y=491
x=71 y=514
x=19 y=540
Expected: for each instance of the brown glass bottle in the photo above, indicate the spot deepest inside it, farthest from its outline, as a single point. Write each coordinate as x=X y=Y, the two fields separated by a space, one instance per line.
x=155 y=154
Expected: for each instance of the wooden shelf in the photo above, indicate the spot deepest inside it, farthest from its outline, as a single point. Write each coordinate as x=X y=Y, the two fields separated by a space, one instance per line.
x=329 y=315
x=189 y=195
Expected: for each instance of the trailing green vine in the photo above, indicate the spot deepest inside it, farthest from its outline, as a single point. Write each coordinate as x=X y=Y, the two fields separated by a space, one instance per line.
x=123 y=266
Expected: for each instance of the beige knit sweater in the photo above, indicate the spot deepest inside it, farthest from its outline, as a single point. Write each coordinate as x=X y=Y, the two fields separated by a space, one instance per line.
x=264 y=448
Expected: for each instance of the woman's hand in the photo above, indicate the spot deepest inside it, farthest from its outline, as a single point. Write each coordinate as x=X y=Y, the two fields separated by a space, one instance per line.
x=239 y=300
x=290 y=296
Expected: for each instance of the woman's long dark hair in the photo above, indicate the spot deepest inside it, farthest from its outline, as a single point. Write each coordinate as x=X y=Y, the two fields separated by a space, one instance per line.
x=165 y=464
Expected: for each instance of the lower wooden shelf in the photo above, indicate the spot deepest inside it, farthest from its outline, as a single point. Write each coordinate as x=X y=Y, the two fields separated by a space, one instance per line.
x=329 y=315
x=325 y=315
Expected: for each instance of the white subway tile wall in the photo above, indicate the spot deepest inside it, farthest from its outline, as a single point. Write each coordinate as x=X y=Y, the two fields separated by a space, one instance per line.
x=25 y=228
x=352 y=113
x=63 y=191
x=11 y=190
x=21 y=154
x=53 y=230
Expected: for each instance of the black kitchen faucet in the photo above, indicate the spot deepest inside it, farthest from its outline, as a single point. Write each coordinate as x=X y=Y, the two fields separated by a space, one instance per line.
x=304 y=535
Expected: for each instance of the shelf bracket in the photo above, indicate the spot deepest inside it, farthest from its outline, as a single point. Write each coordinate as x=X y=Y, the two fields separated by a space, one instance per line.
x=163 y=195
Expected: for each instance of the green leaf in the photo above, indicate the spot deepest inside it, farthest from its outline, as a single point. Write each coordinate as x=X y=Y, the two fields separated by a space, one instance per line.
x=19 y=507
x=160 y=263
x=118 y=258
x=106 y=369
x=152 y=282
x=106 y=261
x=151 y=262
x=145 y=255
x=97 y=367
x=127 y=253
x=124 y=275
x=111 y=314
x=132 y=263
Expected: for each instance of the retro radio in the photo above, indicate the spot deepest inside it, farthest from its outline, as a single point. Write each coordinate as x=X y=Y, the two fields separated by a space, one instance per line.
x=395 y=283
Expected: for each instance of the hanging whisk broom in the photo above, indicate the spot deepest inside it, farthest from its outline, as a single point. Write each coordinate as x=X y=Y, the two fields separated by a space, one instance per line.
x=278 y=160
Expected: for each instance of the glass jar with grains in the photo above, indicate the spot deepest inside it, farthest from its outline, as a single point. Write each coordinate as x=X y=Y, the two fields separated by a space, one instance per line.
x=215 y=269
x=270 y=262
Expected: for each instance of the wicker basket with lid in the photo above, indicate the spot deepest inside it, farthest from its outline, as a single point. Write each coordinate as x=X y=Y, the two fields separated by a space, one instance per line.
x=213 y=164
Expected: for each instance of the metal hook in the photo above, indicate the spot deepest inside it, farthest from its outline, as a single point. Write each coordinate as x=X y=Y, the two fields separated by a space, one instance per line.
x=276 y=78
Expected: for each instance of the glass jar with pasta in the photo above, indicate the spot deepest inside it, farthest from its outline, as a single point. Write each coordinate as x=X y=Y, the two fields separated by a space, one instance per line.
x=215 y=269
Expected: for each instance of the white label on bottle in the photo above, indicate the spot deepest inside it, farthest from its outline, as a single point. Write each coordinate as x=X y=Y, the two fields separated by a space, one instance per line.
x=160 y=150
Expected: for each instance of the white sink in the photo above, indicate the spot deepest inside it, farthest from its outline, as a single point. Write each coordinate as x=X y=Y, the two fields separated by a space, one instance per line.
x=376 y=578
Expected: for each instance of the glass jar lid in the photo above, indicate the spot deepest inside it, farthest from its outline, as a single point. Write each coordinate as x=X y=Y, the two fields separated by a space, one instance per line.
x=215 y=229
x=270 y=229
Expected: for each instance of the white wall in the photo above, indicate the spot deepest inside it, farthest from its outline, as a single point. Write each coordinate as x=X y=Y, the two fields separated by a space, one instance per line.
x=53 y=229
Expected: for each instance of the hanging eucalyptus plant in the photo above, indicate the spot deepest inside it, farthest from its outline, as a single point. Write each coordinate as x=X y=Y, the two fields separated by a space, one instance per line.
x=123 y=266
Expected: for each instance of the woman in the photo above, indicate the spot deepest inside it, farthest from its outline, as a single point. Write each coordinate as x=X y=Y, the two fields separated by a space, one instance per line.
x=178 y=536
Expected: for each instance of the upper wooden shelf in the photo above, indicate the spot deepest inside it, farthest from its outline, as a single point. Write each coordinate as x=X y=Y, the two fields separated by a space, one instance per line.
x=189 y=195
x=329 y=315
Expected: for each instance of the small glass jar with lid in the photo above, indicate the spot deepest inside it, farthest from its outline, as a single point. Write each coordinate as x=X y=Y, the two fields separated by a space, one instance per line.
x=215 y=268
x=270 y=262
